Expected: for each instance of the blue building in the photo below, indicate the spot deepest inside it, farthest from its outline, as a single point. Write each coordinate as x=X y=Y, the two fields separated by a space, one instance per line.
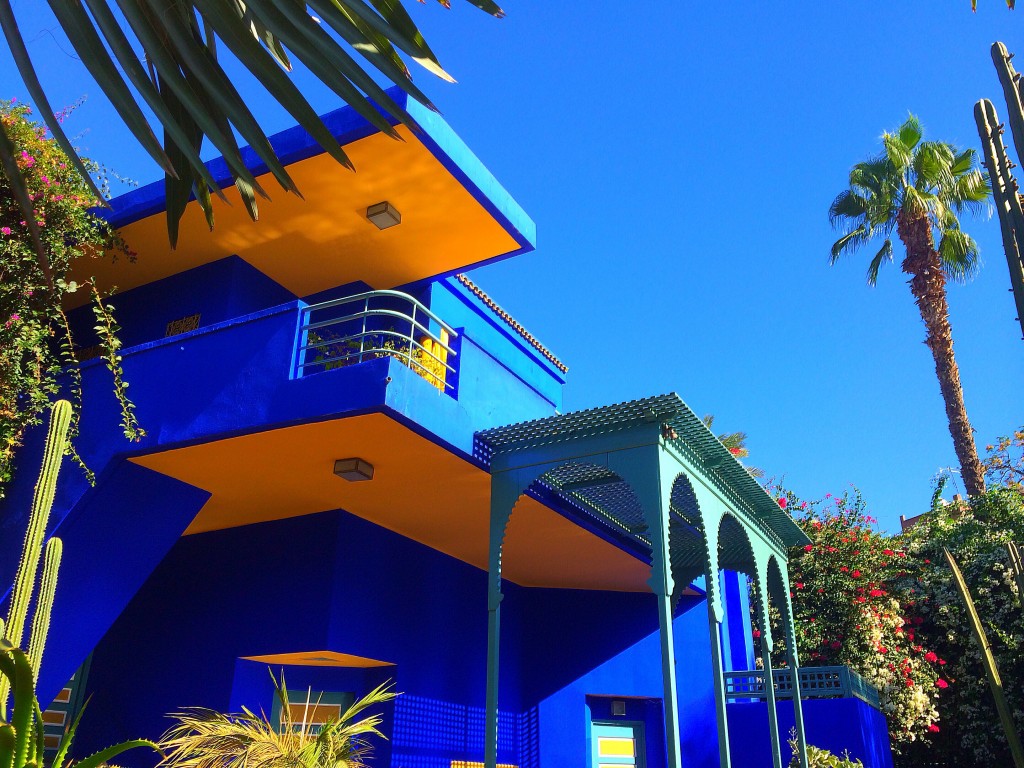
x=356 y=470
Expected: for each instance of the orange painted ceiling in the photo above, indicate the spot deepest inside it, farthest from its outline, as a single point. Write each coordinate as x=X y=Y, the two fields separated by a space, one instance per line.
x=419 y=490
x=318 y=659
x=325 y=240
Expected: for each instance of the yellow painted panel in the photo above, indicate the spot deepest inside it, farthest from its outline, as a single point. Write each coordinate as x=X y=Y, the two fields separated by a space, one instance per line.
x=612 y=746
x=325 y=240
x=314 y=714
x=419 y=490
x=464 y=764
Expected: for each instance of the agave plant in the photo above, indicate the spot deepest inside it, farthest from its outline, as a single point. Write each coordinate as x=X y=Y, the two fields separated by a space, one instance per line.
x=205 y=738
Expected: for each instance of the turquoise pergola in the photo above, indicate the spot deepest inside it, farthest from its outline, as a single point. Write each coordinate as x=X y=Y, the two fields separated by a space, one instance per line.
x=651 y=474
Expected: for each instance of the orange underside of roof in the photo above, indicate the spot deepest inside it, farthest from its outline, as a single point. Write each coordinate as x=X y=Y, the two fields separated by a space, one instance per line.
x=325 y=240
x=419 y=490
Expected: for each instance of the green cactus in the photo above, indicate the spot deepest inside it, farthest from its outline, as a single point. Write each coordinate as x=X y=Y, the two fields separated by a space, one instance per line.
x=1005 y=195
x=44 y=604
x=995 y=683
x=42 y=502
x=22 y=743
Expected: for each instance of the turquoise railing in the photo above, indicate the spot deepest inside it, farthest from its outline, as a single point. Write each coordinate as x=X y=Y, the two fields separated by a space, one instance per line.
x=815 y=683
x=354 y=329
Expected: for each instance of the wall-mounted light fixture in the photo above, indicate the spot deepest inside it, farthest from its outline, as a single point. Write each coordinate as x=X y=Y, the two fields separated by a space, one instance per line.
x=383 y=215
x=618 y=708
x=353 y=470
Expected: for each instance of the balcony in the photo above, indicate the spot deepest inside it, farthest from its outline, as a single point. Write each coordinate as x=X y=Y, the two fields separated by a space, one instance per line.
x=815 y=683
x=373 y=325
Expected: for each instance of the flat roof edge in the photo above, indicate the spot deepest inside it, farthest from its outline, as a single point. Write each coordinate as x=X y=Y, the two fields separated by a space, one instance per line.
x=295 y=144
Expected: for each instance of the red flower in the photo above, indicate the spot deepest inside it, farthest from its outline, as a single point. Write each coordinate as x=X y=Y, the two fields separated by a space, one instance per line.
x=757 y=633
x=888 y=552
x=931 y=656
x=735 y=451
x=844 y=569
x=856 y=574
x=877 y=593
x=933 y=728
x=783 y=502
x=862 y=599
x=941 y=683
x=799 y=585
x=942 y=661
x=808 y=547
x=910 y=683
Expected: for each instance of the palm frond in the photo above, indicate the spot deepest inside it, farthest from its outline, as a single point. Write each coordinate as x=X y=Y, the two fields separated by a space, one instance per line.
x=959 y=255
x=851 y=241
x=884 y=254
x=910 y=133
x=179 y=43
x=896 y=152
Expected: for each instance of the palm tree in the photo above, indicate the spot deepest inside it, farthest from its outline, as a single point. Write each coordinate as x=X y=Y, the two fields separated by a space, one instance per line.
x=165 y=55
x=917 y=189
x=736 y=444
x=205 y=738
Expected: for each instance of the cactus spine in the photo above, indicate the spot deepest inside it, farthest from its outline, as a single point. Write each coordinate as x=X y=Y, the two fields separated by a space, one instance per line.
x=25 y=579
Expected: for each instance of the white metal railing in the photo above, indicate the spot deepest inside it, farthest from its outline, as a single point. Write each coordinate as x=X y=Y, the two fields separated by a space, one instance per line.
x=371 y=325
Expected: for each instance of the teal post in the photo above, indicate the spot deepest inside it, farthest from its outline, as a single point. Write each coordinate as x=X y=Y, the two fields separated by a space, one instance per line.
x=769 y=695
x=718 y=670
x=501 y=510
x=794 y=666
x=668 y=673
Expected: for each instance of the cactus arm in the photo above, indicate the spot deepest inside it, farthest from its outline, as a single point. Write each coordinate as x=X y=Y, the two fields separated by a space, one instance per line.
x=1004 y=193
x=44 y=605
x=989 y=662
x=38 y=733
x=6 y=746
x=42 y=500
x=1009 y=80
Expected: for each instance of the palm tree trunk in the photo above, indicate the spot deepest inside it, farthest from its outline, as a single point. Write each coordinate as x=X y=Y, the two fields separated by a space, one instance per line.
x=928 y=284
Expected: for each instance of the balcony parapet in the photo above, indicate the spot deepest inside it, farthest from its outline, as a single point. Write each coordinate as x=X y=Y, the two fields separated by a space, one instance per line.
x=815 y=683
x=375 y=324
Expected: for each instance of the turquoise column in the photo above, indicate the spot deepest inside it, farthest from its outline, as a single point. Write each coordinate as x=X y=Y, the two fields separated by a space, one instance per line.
x=794 y=666
x=769 y=695
x=668 y=673
x=503 y=498
x=718 y=670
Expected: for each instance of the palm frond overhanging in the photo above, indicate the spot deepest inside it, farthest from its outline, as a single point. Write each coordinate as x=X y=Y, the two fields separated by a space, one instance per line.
x=205 y=738
x=166 y=55
x=916 y=190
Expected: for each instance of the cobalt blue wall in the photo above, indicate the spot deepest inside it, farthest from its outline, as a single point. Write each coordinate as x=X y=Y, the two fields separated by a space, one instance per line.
x=335 y=582
x=219 y=291
x=832 y=724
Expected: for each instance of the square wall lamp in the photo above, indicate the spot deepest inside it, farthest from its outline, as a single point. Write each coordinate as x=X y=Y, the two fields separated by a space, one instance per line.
x=353 y=470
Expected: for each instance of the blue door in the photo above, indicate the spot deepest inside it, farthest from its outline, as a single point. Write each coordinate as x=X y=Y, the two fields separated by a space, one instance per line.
x=614 y=745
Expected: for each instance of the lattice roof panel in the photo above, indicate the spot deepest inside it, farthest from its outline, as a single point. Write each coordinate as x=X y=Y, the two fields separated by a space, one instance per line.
x=687 y=434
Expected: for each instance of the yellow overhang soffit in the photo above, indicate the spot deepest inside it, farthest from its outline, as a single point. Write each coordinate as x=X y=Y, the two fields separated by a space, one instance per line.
x=454 y=214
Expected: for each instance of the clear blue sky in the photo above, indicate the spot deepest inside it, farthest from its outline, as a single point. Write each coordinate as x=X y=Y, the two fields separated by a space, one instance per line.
x=679 y=160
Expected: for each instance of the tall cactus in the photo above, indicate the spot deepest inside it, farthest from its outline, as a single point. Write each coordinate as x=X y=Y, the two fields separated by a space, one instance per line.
x=1005 y=189
x=988 y=661
x=25 y=579
x=44 y=603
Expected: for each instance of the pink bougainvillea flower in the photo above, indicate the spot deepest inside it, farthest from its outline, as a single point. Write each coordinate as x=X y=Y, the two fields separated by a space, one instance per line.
x=941 y=683
x=888 y=552
x=931 y=656
x=844 y=569
x=808 y=547
x=856 y=574
x=783 y=502
x=799 y=585
x=933 y=728
x=5 y=230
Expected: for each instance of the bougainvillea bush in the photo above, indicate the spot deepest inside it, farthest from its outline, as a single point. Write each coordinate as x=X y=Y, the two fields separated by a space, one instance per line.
x=976 y=532
x=855 y=602
x=36 y=349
